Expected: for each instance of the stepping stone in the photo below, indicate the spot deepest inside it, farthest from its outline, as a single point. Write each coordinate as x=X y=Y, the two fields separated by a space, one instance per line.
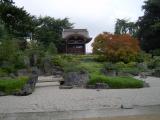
x=126 y=106
x=65 y=87
x=47 y=84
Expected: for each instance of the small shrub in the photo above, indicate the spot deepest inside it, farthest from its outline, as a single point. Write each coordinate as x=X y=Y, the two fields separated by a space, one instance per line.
x=110 y=66
x=58 y=60
x=3 y=73
x=154 y=63
x=143 y=57
x=156 y=52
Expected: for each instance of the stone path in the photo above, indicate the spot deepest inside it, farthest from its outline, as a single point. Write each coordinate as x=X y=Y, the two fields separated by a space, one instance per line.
x=48 y=81
x=48 y=97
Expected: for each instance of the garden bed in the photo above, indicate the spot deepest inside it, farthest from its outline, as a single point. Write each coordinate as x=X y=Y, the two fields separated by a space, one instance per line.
x=12 y=85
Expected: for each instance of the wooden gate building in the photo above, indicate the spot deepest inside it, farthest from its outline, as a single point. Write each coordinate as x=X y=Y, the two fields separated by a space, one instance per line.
x=76 y=40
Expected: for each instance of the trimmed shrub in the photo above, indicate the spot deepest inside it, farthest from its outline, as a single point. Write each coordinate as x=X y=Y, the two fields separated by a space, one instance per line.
x=116 y=82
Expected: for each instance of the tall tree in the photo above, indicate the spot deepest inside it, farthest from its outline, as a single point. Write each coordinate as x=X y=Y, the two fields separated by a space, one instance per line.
x=123 y=26
x=49 y=30
x=150 y=26
x=16 y=20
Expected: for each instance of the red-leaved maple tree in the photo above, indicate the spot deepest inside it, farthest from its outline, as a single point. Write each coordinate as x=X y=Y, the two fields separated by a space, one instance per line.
x=116 y=47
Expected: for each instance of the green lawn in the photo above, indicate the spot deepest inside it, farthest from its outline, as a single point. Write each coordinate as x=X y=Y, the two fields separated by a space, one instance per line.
x=11 y=85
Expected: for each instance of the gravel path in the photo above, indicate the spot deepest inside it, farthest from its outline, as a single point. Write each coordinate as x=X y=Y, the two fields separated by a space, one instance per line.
x=51 y=98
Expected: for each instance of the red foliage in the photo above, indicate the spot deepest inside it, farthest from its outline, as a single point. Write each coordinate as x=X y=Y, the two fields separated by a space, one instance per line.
x=116 y=47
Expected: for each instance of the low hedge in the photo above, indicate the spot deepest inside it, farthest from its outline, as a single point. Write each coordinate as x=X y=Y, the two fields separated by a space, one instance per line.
x=116 y=82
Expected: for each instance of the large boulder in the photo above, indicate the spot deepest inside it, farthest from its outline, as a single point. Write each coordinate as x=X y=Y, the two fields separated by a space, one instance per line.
x=29 y=86
x=76 y=79
x=109 y=72
x=156 y=72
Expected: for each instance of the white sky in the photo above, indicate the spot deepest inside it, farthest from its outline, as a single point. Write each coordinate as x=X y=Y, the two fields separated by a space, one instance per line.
x=95 y=15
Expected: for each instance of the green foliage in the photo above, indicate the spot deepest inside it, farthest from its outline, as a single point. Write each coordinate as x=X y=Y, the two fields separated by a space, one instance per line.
x=131 y=67
x=52 y=49
x=17 y=21
x=154 y=62
x=123 y=26
x=156 y=52
x=143 y=57
x=49 y=30
x=149 y=26
x=109 y=66
x=91 y=67
x=3 y=73
x=11 y=58
x=116 y=82
x=10 y=85
x=58 y=61
x=7 y=2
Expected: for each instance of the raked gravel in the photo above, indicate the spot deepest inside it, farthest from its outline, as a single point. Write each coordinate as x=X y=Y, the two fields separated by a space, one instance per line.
x=51 y=98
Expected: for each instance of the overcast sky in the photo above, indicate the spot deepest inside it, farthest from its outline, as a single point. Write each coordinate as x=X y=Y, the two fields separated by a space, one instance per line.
x=95 y=15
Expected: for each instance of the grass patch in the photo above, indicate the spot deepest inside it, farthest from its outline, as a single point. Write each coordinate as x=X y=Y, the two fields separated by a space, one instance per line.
x=11 y=85
x=116 y=82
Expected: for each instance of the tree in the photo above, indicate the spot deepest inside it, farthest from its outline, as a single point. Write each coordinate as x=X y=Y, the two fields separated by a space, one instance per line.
x=116 y=47
x=49 y=30
x=149 y=26
x=123 y=26
x=7 y=1
x=16 y=20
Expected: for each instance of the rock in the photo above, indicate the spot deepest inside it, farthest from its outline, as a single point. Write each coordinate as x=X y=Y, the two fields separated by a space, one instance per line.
x=90 y=87
x=2 y=93
x=47 y=67
x=124 y=74
x=12 y=75
x=61 y=82
x=143 y=75
x=29 y=87
x=146 y=84
x=156 y=73
x=65 y=87
x=109 y=72
x=126 y=106
x=27 y=90
x=22 y=72
x=78 y=79
x=35 y=70
x=142 y=66
x=102 y=86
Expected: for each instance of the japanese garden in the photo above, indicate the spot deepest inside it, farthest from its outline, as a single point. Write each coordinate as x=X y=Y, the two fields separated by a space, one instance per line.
x=45 y=49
